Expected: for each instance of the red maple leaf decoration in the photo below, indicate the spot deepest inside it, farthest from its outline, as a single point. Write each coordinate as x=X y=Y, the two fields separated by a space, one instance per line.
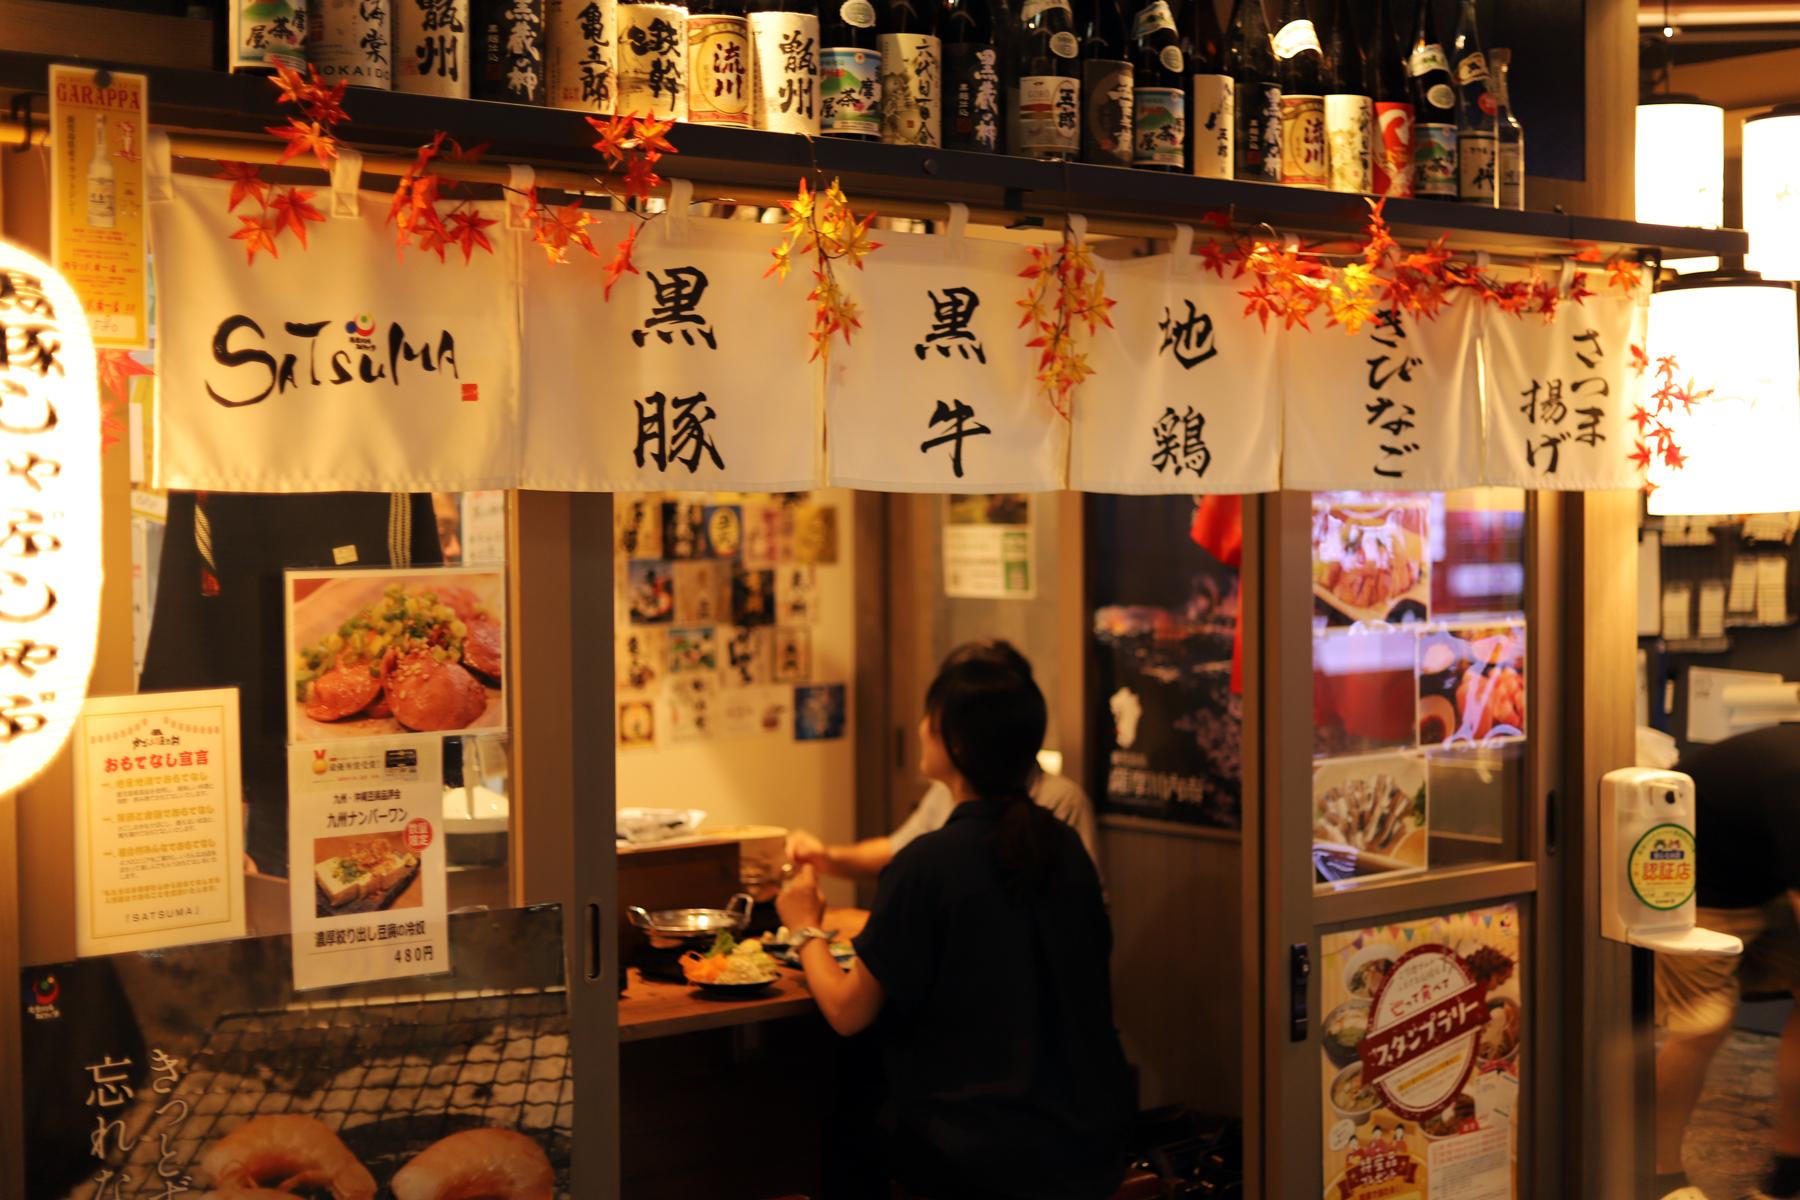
x=305 y=137
x=116 y=369
x=1641 y=457
x=246 y=184
x=292 y=209
x=621 y=261
x=257 y=233
x=466 y=227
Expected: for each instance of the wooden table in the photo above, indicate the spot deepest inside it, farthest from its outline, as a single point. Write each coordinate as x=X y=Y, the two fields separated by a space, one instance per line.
x=651 y=1008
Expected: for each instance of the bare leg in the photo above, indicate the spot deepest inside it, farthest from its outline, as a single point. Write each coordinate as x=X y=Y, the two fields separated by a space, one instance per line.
x=1787 y=1086
x=1680 y=1073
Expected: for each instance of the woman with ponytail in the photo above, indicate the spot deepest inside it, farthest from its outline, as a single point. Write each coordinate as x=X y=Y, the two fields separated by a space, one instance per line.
x=983 y=969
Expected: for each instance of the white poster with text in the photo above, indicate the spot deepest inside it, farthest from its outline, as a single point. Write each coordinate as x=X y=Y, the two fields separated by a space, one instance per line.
x=366 y=860
x=159 y=843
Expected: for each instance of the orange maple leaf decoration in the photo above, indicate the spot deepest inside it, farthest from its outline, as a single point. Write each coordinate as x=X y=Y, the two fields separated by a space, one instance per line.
x=116 y=369
x=823 y=224
x=556 y=229
x=1655 y=439
x=621 y=262
x=415 y=214
x=286 y=210
x=1066 y=298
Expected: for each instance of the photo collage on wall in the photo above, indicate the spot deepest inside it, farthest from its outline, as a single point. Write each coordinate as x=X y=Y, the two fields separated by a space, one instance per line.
x=720 y=605
x=1418 y=674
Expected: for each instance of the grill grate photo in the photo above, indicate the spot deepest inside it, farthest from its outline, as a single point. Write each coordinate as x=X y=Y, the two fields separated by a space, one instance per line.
x=389 y=1076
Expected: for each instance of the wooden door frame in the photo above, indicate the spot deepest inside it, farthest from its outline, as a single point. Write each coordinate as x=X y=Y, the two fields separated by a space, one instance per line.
x=1292 y=914
x=560 y=586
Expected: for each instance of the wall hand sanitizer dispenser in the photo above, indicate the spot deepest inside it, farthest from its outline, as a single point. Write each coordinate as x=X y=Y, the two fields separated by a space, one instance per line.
x=1647 y=864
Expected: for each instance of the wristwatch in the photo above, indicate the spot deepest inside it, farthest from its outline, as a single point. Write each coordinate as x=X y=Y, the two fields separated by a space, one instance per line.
x=798 y=938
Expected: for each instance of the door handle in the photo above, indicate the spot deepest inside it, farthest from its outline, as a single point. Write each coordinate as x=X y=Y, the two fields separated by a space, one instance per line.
x=591 y=945
x=1550 y=815
x=1299 y=975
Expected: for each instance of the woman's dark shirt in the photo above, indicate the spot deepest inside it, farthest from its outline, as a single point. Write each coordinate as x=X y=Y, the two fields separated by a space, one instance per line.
x=1005 y=1075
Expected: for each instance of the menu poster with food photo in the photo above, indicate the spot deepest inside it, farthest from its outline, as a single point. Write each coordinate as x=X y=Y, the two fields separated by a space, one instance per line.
x=1371 y=562
x=379 y=653
x=199 y=1071
x=158 y=821
x=1419 y=1058
x=1370 y=815
x=366 y=850
x=1471 y=685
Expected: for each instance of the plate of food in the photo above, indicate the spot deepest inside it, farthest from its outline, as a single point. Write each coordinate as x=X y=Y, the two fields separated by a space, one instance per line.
x=1369 y=815
x=1351 y=1097
x=1343 y=1031
x=730 y=967
x=1368 y=968
x=780 y=947
x=373 y=653
x=369 y=873
x=1471 y=685
x=1500 y=1037
x=1370 y=563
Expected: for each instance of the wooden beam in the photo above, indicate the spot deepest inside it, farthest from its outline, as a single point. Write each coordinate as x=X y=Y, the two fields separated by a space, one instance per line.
x=80 y=31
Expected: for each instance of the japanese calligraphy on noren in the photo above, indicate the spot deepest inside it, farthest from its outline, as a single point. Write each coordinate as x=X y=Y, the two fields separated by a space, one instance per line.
x=959 y=420
x=49 y=513
x=951 y=311
x=1388 y=409
x=1560 y=411
x=678 y=291
x=1181 y=442
x=1189 y=339
x=671 y=431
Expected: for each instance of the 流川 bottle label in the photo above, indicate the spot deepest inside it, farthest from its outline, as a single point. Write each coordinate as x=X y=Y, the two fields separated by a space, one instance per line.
x=718 y=70
x=850 y=87
x=1159 y=128
x=1303 y=141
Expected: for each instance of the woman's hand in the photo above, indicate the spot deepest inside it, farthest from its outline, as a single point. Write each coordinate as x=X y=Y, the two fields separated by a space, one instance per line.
x=805 y=849
x=801 y=904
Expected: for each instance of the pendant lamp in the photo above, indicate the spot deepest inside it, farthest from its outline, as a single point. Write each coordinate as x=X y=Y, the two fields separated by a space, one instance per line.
x=1772 y=192
x=1735 y=333
x=1681 y=168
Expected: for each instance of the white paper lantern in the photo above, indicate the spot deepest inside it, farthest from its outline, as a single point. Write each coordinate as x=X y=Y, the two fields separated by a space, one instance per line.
x=1772 y=192
x=1681 y=168
x=49 y=513
x=1735 y=334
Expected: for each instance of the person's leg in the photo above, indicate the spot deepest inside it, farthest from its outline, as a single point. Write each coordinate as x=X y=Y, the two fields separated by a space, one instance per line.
x=1696 y=999
x=1787 y=1085
x=1680 y=1074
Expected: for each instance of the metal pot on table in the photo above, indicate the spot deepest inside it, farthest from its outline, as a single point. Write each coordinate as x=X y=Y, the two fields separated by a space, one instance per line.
x=671 y=928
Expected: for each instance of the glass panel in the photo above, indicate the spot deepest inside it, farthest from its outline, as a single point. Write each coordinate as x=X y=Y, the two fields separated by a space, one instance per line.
x=1419 y=653
x=210 y=613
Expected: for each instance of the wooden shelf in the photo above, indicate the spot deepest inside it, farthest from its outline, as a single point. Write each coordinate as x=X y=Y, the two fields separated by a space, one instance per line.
x=212 y=102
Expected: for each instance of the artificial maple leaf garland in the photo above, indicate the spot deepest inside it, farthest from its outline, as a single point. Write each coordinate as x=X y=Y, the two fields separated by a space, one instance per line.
x=415 y=214
x=823 y=225
x=1067 y=294
x=116 y=369
x=280 y=210
x=1655 y=440
x=632 y=146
